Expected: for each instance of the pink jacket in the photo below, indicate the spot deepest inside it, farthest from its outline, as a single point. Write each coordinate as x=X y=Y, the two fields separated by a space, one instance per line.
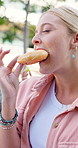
x=64 y=129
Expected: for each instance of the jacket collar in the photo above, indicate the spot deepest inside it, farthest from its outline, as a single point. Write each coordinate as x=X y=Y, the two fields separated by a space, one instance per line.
x=42 y=82
x=73 y=105
x=45 y=79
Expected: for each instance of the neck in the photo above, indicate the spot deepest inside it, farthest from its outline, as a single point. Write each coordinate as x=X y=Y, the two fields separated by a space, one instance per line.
x=66 y=87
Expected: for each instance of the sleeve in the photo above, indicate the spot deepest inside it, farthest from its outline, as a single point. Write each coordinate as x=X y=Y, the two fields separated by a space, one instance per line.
x=24 y=93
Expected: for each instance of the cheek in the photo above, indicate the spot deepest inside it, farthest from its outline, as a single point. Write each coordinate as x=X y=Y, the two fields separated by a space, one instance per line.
x=57 y=45
x=58 y=53
x=53 y=42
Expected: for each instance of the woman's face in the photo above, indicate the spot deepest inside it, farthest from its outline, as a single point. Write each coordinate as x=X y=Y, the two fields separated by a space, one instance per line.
x=52 y=35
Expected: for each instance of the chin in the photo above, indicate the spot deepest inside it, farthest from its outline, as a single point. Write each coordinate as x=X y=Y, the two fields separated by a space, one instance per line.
x=43 y=71
x=44 y=68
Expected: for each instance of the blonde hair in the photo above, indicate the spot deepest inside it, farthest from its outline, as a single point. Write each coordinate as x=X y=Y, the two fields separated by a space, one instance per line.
x=69 y=15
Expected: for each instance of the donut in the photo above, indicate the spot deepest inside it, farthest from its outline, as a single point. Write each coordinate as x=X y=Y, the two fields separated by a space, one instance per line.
x=32 y=57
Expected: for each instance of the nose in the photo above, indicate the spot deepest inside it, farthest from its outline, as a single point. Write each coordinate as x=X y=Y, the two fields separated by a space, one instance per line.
x=36 y=40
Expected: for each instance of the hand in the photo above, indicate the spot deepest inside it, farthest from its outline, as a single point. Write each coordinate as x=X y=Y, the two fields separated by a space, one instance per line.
x=24 y=75
x=2 y=54
x=9 y=82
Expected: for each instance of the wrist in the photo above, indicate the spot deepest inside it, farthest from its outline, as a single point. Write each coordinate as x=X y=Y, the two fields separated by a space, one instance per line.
x=8 y=110
x=5 y=122
x=8 y=113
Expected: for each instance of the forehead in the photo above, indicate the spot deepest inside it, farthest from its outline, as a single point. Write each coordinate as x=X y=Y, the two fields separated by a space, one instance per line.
x=48 y=18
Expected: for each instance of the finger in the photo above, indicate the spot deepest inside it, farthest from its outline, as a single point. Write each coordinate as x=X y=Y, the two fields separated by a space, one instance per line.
x=12 y=63
x=18 y=70
x=0 y=50
x=3 y=53
x=1 y=63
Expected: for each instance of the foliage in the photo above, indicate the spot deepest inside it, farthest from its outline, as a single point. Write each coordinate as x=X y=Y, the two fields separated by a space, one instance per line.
x=1 y=2
x=31 y=31
x=16 y=30
x=3 y=20
x=9 y=35
x=45 y=8
x=33 y=8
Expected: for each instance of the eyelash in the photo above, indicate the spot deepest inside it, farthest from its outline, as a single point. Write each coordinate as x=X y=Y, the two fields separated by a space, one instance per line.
x=46 y=31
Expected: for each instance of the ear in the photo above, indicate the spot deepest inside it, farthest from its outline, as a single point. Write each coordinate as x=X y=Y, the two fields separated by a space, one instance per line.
x=76 y=38
x=74 y=42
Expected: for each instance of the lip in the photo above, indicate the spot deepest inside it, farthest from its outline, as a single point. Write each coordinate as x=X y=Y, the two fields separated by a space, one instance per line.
x=43 y=60
x=40 y=49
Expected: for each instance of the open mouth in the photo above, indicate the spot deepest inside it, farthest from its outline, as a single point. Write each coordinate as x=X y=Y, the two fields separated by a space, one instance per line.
x=43 y=60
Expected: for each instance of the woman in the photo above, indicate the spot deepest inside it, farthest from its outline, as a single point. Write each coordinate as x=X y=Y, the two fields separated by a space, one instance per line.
x=48 y=105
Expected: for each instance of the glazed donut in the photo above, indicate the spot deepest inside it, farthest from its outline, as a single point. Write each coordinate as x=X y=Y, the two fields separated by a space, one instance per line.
x=32 y=57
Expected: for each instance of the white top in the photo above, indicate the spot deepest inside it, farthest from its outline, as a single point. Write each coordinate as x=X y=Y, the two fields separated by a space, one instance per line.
x=40 y=126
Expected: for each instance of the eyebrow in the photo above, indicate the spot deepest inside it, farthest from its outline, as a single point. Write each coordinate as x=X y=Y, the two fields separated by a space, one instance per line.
x=45 y=24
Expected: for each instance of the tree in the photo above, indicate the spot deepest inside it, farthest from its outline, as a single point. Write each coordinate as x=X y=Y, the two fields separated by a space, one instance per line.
x=24 y=32
x=12 y=30
x=1 y=2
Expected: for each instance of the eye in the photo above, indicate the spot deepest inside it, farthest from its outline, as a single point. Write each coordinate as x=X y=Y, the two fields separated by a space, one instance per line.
x=46 y=31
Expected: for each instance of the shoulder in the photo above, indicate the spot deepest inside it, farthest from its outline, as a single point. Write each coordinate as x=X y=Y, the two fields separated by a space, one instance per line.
x=24 y=93
x=29 y=81
x=25 y=89
x=29 y=86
